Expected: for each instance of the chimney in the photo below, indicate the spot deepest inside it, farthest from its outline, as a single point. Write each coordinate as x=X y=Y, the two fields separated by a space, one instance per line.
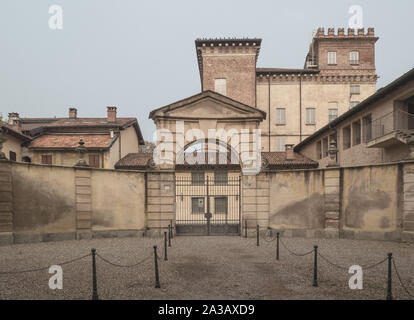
x=15 y=121
x=289 y=152
x=111 y=114
x=73 y=113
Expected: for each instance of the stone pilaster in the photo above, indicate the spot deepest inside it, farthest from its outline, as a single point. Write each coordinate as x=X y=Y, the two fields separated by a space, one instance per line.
x=6 y=203
x=332 y=201
x=160 y=201
x=255 y=202
x=408 y=200
x=83 y=203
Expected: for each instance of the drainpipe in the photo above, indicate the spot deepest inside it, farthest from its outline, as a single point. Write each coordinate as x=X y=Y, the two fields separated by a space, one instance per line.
x=300 y=107
x=269 y=108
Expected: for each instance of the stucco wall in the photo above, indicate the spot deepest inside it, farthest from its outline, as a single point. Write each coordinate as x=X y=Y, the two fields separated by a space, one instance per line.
x=370 y=198
x=12 y=144
x=43 y=198
x=296 y=200
x=118 y=200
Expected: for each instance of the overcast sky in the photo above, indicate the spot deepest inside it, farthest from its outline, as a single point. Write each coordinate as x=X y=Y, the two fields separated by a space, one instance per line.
x=140 y=55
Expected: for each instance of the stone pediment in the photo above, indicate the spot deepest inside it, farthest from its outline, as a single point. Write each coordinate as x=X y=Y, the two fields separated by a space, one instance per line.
x=208 y=105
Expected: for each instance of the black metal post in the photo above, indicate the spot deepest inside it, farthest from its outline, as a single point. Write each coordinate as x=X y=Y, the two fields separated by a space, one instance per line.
x=165 y=246
x=157 y=277
x=245 y=228
x=257 y=235
x=277 y=246
x=171 y=231
x=389 y=282
x=315 y=266
x=94 y=285
x=169 y=235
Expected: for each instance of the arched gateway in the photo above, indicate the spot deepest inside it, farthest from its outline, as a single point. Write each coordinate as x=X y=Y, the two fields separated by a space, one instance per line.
x=202 y=176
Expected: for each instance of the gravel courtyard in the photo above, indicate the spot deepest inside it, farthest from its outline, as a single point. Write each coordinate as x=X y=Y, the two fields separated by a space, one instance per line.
x=205 y=268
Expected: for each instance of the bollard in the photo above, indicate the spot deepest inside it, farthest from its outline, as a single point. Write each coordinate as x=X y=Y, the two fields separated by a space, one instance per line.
x=169 y=235
x=315 y=266
x=157 y=278
x=94 y=285
x=277 y=246
x=257 y=235
x=389 y=282
x=165 y=246
x=245 y=228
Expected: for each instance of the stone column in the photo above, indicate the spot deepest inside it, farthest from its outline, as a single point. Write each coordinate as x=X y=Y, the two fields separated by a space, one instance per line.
x=83 y=203
x=408 y=199
x=332 y=203
x=6 y=203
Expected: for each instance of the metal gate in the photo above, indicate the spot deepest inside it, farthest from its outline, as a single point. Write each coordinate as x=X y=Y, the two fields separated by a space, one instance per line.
x=207 y=205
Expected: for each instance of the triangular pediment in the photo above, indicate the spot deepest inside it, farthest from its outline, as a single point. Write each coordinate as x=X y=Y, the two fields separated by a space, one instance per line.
x=208 y=105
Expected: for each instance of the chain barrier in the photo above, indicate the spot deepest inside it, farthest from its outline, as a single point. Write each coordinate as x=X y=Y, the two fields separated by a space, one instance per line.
x=401 y=282
x=122 y=265
x=268 y=236
x=346 y=268
x=295 y=253
x=45 y=268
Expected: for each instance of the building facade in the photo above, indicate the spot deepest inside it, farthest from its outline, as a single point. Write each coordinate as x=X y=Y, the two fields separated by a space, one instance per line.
x=54 y=141
x=378 y=130
x=339 y=72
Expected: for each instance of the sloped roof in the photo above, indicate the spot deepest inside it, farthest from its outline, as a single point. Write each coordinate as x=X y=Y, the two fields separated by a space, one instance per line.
x=134 y=161
x=274 y=160
x=56 y=141
x=34 y=126
x=277 y=160
x=13 y=132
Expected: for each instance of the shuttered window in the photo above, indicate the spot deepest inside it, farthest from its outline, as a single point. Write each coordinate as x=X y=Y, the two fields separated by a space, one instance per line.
x=46 y=159
x=280 y=116
x=94 y=160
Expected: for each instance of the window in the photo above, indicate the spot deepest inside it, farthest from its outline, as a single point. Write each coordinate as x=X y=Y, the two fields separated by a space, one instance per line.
x=355 y=89
x=94 y=160
x=220 y=86
x=197 y=178
x=332 y=114
x=280 y=116
x=367 y=127
x=310 y=115
x=318 y=150
x=353 y=104
x=197 y=204
x=12 y=156
x=346 y=132
x=46 y=159
x=332 y=57
x=280 y=144
x=354 y=57
x=220 y=205
x=325 y=147
x=356 y=133
x=220 y=177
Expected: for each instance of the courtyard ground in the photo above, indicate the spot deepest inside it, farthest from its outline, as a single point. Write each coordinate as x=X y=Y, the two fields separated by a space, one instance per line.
x=205 y=268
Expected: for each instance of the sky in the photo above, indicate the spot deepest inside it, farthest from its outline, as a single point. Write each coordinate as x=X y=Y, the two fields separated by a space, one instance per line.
x=140 y=55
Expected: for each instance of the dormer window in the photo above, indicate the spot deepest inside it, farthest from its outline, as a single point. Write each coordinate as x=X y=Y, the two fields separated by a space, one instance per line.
x=220 y=86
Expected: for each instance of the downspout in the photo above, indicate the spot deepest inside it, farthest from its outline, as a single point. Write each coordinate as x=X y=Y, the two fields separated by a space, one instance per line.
x=300 y=107
x=269 y=108
x=120 y=144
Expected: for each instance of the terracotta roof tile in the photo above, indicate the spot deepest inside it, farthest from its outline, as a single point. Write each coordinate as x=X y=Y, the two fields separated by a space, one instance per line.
x=71 y=141
x=278 y=160
x=134 y=161
x=274 y=160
